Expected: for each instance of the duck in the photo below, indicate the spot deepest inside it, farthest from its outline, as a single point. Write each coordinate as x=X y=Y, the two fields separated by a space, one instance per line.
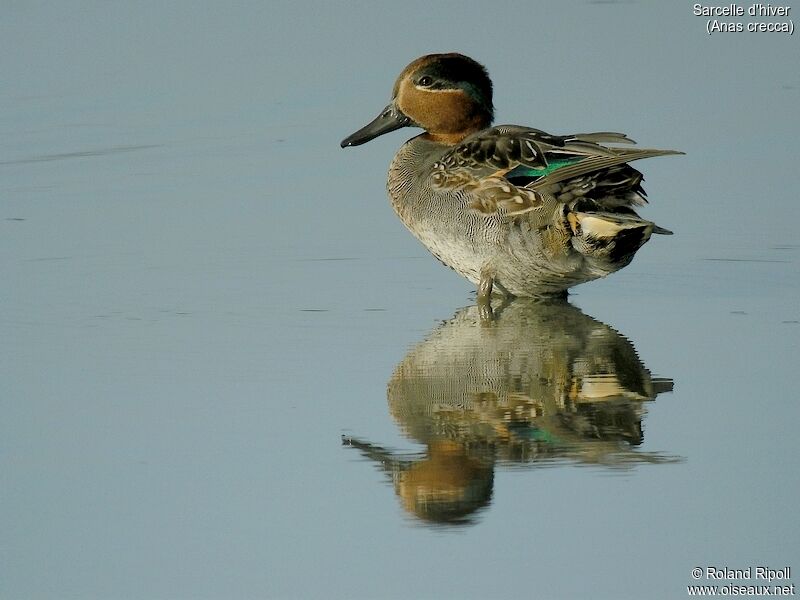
x=515 y=210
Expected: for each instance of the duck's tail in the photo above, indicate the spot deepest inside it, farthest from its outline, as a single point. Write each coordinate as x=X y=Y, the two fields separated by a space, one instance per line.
x=610 y=240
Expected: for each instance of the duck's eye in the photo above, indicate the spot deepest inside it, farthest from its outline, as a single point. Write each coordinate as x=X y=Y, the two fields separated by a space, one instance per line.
x=425 y=81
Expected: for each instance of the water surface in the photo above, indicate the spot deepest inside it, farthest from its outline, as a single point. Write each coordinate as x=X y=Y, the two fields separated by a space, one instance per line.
x=202 y=294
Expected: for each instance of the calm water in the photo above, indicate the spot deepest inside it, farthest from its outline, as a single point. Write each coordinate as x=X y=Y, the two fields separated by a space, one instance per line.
x=229 y=372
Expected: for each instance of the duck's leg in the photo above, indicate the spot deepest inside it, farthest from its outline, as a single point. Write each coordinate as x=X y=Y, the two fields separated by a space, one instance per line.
x=485 y=286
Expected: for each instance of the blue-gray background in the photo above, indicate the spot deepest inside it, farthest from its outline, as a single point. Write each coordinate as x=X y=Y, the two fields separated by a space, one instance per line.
x=178 y=361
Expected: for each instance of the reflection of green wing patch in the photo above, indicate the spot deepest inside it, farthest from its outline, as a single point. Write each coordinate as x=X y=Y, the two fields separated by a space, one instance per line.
x=533 y=173
x=532 y=432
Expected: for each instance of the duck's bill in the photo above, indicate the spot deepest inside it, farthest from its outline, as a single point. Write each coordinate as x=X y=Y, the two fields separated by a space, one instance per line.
x=389 y=120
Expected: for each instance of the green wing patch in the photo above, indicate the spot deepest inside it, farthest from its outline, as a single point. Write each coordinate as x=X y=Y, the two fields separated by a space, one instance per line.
x=522 y=171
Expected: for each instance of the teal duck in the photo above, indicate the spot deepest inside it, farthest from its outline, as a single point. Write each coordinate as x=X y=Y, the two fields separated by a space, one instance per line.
x=515 y=210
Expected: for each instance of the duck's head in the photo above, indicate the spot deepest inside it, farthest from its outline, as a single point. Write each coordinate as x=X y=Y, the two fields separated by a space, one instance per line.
x=448 y=95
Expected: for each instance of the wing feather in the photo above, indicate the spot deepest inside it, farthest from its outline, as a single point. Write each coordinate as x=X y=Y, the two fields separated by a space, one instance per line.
x=481 y=162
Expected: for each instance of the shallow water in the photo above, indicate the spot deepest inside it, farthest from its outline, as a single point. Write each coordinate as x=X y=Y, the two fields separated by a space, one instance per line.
x=229 y=372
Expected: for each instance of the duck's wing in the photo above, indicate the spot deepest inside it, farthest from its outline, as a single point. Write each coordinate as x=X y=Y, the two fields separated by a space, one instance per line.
x=511 y=167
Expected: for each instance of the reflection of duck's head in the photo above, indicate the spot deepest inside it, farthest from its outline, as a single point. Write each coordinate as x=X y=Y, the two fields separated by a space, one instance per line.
x=447 y=486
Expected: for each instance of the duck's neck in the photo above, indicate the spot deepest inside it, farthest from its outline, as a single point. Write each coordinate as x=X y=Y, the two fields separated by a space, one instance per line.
x=448 y=139
x=474 y=124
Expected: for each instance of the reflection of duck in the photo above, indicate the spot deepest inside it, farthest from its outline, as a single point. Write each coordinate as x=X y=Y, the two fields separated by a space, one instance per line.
x=541 y=382
x=508 y=207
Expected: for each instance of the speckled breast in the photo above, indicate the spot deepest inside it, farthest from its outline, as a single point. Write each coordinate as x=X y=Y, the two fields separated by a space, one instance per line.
x=459 y=238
